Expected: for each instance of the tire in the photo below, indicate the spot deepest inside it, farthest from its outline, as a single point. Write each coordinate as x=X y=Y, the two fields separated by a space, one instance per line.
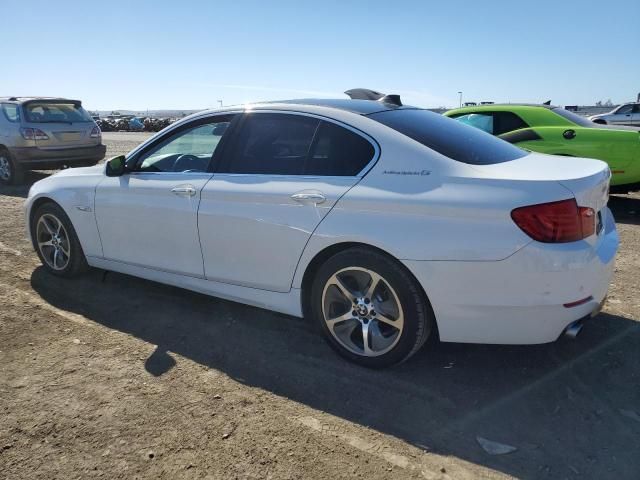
x=51 y=231
x=395 y=332
x=11 y=172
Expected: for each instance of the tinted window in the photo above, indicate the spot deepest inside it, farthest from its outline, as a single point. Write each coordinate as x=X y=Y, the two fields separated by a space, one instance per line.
x=49 y=112
x=449 y=137
x=636 y=108
x=11 y=111
x=338 y=152
x=272 y=143
x=189 y=150
x=573 y=117
x=625 y=109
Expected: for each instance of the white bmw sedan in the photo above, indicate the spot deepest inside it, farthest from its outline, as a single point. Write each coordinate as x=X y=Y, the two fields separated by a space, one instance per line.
x=382 y=223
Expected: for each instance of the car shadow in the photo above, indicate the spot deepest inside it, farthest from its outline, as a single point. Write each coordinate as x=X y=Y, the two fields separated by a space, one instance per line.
x=22 y=190
x=625 y=209
x=560 y=404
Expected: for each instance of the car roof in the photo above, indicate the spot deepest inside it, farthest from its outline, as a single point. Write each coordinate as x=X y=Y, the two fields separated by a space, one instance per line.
x=31 y=99
x=361 y=107
x=493 y=105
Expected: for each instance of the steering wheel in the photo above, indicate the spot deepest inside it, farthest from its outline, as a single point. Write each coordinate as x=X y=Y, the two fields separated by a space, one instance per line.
x=187 y=162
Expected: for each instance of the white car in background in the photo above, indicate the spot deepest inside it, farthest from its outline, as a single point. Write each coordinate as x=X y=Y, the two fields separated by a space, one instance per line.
x=626 y=114
x=384 y=224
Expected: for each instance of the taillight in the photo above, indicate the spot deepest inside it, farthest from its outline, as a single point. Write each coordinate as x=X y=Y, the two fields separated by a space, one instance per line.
x=556 y=222
x=95 y=132
x=33 y=134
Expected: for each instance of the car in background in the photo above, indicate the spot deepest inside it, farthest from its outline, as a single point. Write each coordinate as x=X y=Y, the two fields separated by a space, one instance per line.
x=42 y=133
x=626 y=114
x=554 y=130
x=383 y=224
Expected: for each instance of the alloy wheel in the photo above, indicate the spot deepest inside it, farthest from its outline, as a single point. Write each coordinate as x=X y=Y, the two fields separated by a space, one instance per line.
x=53 y=242
x=362 y=311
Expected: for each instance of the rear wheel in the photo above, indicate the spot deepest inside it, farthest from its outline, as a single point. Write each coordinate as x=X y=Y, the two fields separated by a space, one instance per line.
x=11 y=173
x=369 y=308
x=56 y=242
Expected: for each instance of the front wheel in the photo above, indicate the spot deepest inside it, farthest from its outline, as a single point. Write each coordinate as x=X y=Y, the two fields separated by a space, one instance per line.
x=56 y=242
x=369 y=308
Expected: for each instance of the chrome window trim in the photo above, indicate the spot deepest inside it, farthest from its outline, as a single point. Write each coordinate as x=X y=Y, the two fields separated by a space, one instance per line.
x=377 y=151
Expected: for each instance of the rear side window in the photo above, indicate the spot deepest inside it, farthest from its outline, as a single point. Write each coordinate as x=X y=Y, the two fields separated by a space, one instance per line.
x=338 y=152
x=272 y=144
x=495 y=123
x=50 y=112
x=11 y=112
x=286 y=144
x=449 y=137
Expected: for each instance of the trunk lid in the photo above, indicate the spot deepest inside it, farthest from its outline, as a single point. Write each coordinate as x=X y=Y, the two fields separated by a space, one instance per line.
x=585 y=178
x=66 y=135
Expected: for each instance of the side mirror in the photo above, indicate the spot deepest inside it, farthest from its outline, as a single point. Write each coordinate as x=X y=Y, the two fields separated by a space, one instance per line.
x=116 y=166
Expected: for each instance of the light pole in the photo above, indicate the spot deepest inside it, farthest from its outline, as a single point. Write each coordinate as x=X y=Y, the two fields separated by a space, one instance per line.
x=220 y=102
x=460 y=93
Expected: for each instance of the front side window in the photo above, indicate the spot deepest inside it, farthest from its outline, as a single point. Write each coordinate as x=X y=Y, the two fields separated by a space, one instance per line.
x=11 y=112
x=449 y=137
x=55 y=112
x=190 y=150
x=625 y=109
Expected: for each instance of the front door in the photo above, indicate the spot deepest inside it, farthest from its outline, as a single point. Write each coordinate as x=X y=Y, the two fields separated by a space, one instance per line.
x=148 y=217
x=282 y=174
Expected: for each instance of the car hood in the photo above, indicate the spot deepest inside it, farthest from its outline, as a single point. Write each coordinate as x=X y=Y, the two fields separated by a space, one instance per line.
x=80 y=171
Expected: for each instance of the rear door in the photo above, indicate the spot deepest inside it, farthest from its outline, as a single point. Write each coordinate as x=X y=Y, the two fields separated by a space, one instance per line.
x=281 y=175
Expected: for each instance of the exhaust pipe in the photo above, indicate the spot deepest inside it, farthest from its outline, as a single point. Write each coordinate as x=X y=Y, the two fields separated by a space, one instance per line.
x=574 y=329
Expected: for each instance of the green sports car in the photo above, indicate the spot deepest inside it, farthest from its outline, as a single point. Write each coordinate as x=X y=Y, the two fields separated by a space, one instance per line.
x=554 y=130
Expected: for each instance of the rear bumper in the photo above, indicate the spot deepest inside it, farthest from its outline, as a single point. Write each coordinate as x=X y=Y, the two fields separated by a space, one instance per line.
x=520 y=300
x=34 y=157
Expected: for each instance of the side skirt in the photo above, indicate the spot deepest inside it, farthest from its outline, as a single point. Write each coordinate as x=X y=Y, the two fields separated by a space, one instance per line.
x=287 y=303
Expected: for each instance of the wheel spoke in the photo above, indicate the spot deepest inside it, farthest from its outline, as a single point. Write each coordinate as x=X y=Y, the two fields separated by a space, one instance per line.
x=340 y=318
x=382 y=318
x=375 y=279
x=335 y=280
x=65 y=249
x=47 y=227
x=365 y=339
x=45 y=244
x=56 y=254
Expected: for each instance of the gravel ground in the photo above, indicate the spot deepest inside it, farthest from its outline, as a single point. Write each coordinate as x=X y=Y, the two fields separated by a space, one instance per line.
x=116 y=377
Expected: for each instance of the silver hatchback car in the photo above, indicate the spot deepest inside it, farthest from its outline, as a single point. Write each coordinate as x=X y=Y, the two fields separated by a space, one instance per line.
x=42 y=133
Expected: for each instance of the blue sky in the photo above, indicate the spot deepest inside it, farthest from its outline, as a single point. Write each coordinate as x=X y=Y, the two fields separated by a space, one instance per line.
x=186 y=54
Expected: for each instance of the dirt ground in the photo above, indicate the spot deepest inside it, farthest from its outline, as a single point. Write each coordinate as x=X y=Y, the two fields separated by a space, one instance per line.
x=116 y=377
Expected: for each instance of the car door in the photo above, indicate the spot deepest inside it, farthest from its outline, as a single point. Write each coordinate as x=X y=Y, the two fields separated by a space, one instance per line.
x=636 y=115
x=282 y=173
x=622 y=116
x=148 y=216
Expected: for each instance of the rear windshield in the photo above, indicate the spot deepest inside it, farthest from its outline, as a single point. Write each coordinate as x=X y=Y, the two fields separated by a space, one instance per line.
x=574 y=117
x=449 y=137
x=49 y=112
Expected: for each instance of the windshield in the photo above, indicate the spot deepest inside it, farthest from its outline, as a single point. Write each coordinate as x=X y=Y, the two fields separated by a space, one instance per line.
x=450 y=137
x=573 y=117
x=50 y=112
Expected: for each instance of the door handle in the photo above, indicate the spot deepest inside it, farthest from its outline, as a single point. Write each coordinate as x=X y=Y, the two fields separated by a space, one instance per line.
x=309 y=198
x=184 y=190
